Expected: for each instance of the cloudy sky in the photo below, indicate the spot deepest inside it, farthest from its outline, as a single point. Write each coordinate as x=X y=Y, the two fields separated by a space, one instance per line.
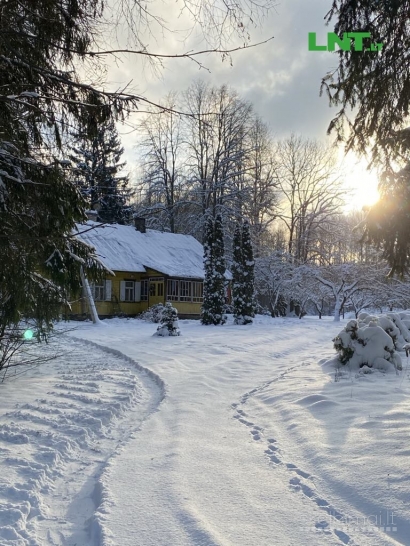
x=281 y=78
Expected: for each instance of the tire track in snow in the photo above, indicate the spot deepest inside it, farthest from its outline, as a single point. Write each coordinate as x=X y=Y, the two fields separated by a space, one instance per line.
x=303 y=481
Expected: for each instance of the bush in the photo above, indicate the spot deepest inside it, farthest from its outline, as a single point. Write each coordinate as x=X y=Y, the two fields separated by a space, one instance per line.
x=153 y=314
x=169 y=322
x=369 y=341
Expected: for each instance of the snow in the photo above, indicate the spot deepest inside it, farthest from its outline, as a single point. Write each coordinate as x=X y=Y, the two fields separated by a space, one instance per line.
x=237 y=435
x=123 y=248
x=372 y=341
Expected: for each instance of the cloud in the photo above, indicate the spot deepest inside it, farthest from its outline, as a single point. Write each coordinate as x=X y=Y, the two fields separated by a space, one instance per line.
x=281 y=78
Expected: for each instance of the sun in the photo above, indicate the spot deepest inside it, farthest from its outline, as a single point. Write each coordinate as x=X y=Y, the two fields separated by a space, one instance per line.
x=360 y=183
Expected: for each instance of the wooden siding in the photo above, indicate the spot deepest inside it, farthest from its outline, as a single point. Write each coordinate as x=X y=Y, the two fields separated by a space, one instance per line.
x=116 y=307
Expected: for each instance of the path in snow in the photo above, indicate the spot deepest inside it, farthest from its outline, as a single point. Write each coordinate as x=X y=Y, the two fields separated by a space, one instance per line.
x=60 y=425
x=220 y=463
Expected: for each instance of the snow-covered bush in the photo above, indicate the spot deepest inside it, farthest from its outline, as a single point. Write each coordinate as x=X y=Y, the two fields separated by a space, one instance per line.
x=405 y=318
x=368 y=341
x=169 y=322
x=392 y=324
x=404 y=332
x=153 y=314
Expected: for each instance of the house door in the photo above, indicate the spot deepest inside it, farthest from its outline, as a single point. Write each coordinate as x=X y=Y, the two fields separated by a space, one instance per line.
x=156 y=291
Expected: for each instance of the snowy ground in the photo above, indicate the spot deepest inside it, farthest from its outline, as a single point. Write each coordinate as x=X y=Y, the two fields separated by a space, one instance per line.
x=238 y=435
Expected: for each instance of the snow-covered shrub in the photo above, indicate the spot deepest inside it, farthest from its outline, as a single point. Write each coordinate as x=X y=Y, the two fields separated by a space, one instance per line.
x=169 y=322
x=405 y=318
x=153 y=314
x=405 y=334
x=343 y=342
x=366 y=343
x=392 y=324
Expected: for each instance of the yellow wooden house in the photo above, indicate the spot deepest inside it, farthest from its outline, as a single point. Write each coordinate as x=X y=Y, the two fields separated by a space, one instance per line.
x=148 y=267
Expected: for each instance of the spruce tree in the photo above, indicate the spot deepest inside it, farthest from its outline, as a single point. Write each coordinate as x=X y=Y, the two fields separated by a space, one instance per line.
x=207 y=304
x=237 y=276
x=218 y=271
x=169 y=321
x=40 y=95
x=248 y=268
x=97 y=166
x=214 y=267
x=243 y=265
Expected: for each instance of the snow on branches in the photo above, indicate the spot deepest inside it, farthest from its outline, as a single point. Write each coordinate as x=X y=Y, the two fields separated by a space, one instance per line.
x=168 y=322
x=214 y=266
x=372 y=342
x=243 y=266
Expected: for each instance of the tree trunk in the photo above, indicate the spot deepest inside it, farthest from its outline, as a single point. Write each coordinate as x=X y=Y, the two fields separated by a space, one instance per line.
x=336 y=316
x=90 y=300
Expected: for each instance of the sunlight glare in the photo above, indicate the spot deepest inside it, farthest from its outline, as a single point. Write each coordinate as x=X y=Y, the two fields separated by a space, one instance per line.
x=361 y=182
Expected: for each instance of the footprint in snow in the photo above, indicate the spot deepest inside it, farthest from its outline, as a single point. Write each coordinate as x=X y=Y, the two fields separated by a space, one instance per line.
x=342 y=536
x=245 y=422
x=297 y=485
x=255 y=434
x=271 y=448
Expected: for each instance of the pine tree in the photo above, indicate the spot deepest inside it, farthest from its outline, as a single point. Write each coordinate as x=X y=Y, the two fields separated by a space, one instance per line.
x=214 y=266
x=97 y=166
x=248 y=268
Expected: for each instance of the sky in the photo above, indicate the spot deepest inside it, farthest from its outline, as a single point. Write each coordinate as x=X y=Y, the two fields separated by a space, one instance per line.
x=280 y=78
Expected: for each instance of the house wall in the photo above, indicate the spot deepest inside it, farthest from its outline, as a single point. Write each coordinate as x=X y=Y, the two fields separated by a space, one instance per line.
x=118 y=307
x=115 y=306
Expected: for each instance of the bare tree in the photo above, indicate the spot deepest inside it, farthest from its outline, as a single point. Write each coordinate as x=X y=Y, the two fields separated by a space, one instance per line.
x=162 y=152
x=216 y=146
x=273 y=274
x=261 y=205
x=312 y=194
x=346 y=281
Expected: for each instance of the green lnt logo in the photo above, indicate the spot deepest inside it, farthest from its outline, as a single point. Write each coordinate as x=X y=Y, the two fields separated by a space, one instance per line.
x=349 y=39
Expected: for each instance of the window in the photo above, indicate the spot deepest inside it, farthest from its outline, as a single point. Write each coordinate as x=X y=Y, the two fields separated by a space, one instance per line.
x=152 y=289
x=172 y=290
x=129 y=291
x=179 y=290
x=144 y=290
x=185 y=291
x=99 y=292
x=197 y=292
x=160 y=289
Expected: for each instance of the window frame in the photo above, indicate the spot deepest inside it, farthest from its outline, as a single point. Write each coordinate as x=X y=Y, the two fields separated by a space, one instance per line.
x=144 y=289
x=173 y=292
x=197 y=287
x=99 y=291
x=185 y=291
x=127 y=289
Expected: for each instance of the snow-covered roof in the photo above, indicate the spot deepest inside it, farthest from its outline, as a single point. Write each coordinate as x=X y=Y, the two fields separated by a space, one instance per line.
x=123 y=248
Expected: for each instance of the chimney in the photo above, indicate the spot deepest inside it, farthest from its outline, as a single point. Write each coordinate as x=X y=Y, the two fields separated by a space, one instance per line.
x=139 y=224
